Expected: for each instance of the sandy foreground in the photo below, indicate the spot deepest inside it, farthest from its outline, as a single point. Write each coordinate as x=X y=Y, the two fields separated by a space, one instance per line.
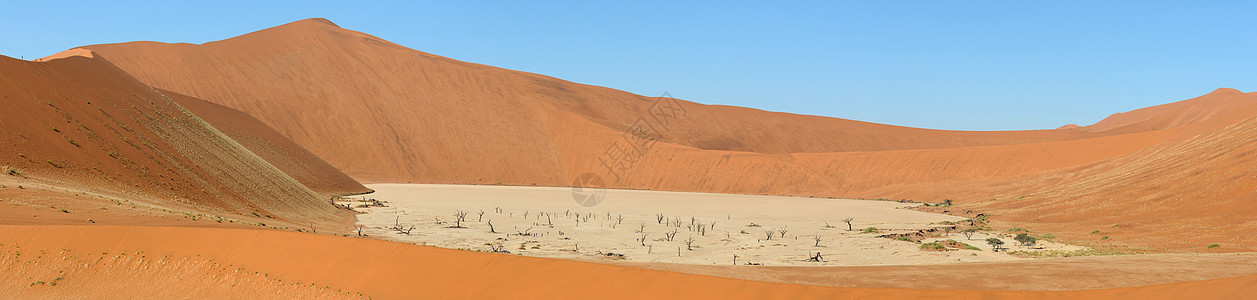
x=547 y=222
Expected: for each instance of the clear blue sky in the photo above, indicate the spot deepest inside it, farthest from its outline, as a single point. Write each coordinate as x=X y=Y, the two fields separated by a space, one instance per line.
x=974 y=66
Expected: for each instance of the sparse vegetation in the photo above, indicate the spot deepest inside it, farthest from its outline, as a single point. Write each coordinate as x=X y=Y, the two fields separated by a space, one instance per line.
x=870 y=230
x=933 y=246
x=1211 y=246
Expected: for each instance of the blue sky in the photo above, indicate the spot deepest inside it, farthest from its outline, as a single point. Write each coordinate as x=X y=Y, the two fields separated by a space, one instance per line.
x=996 y=65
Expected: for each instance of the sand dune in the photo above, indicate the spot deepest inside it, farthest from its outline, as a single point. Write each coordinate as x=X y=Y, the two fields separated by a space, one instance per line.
x=349 y=91
x=81 y=122
x=198 y=261
x=273 y=147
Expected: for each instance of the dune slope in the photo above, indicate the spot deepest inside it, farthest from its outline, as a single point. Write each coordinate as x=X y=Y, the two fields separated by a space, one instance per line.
x=81 y=122
x=291 y=263
x=273 y=147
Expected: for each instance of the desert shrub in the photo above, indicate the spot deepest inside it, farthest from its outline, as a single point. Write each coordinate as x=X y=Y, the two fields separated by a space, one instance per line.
x=1016 y=229
x=933 y=246
x=960 y=245
x=1095 y=231
x=906 y=239
x=1211 y=246
x=1104 y=237
x=870 y=230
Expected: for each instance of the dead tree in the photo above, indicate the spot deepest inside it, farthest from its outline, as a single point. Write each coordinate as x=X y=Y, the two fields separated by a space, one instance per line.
x=689 y=243
x=670 y=235
x=712 y=226
x=644 y=238
x=312 y=228
x=659 y=218
x=782 y=232
x=769 y=234
x=848 y=221
x=702 y=229
x=816 y=258
x=817 y=238
x=548 y=222
x=459 y=217
x=491 y=227
x=619 y=219
x=359 y=230
x=480 y=216
x=642 y=229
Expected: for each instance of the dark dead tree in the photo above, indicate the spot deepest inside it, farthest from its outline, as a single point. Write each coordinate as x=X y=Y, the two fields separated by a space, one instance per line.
x=782 y=232
x=817 y=238
x=642 y=229
x=619 y=219
x=643 y=239
x=669 y=235
x=491 y=227
x=459 y=217
x=359 y=230
x=848 y=221
x=816 y=258
x=480 y=216
x=689 y=243
x=659 y=218
x=769 y=234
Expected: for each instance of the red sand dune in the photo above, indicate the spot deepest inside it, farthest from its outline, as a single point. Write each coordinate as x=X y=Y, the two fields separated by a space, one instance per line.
x=81 y=122
x=199 y=262
x=385 y=113
x=273 y=147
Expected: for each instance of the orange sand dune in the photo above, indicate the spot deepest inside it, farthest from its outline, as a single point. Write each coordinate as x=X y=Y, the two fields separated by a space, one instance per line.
x=81 y=122
x=382 y=112
x=197 y=262
x=1219 y=102
x=272 y=146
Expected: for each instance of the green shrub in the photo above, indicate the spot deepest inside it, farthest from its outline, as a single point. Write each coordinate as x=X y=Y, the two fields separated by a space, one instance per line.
x=1095 y=232
x=960 y=245
x=870 y=230
x=1211 y=246
x=933 y=246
